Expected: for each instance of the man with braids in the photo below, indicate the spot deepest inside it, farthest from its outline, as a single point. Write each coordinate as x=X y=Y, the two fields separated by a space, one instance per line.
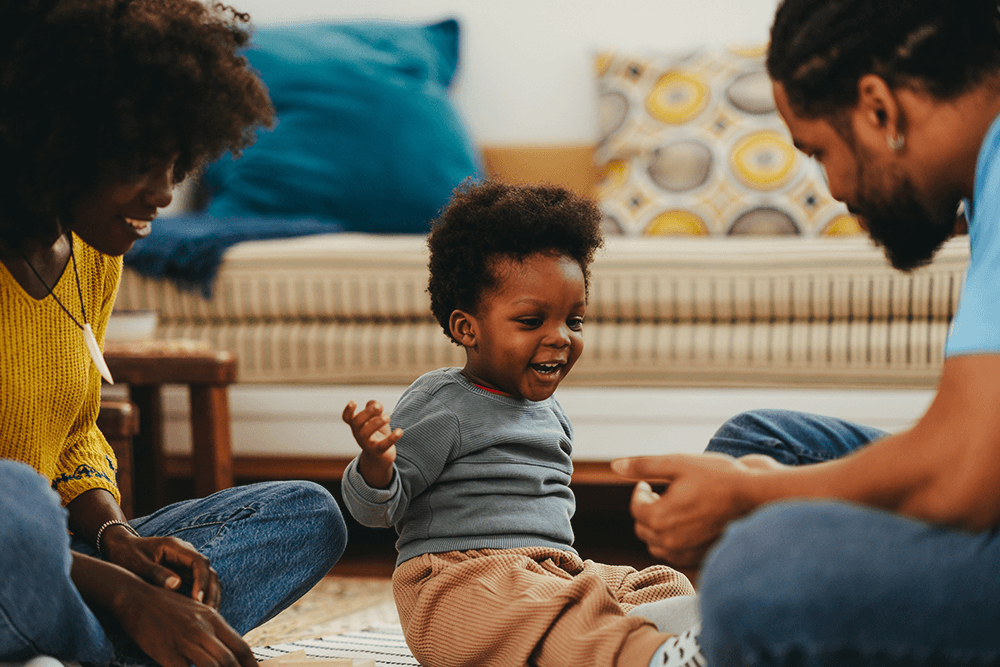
x=104 y=106
x=884 y=550
x=473 y=470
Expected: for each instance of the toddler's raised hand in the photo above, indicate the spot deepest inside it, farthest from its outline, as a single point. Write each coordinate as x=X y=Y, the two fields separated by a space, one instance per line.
x=377 y=441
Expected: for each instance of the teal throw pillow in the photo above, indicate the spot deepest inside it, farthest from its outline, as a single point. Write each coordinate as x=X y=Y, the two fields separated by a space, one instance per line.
x=367 y=135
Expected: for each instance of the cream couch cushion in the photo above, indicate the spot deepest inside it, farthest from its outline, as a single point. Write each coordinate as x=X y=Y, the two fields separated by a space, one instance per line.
x=768 y=311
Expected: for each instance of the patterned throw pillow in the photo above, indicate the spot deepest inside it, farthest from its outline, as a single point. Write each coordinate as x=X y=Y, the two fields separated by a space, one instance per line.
x=692 y=144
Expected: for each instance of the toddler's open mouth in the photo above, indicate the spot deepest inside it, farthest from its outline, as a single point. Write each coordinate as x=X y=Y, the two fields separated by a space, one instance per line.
x=547 y=369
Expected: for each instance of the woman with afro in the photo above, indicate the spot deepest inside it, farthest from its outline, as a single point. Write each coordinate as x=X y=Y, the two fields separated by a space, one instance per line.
x=105 y=105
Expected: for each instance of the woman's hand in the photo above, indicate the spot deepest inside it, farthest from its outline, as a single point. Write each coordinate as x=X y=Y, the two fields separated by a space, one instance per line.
x=163 y=562
x=175 y=630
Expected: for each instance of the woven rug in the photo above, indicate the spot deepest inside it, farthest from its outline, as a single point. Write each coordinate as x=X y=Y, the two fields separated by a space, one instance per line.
x=341 y=617
x=381 y=642
x=334 y=605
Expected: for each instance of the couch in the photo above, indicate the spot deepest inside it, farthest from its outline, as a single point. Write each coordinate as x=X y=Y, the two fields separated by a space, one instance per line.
x=352 y=309
x=727 y=266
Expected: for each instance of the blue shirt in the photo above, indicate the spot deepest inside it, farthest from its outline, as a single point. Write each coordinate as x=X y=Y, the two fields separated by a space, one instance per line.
x=976 y=327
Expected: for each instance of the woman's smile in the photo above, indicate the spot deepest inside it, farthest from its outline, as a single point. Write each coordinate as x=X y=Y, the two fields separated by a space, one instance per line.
x=141 y=227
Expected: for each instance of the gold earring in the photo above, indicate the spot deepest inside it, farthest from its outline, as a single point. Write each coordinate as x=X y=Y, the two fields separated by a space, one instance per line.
x=895 y=143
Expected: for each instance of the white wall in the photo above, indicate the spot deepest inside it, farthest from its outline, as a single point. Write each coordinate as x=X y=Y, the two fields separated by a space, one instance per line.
x=525 y=75
x=294 y=420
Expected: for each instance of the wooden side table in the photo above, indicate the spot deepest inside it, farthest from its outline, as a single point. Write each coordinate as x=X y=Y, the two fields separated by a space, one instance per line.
x=146 y=366
x=119 y=422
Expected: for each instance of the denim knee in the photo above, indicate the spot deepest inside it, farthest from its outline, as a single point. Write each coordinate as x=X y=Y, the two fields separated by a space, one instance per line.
x=757 y=421
x=34 y=520
x=785 y=575
x=756 y=432
x=333 y=531
x=790 y=437
x=326 y=524
x=40 y=608
x=759 y=579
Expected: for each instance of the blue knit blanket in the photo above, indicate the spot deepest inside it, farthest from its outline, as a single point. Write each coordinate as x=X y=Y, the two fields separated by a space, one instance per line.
x=188 y=249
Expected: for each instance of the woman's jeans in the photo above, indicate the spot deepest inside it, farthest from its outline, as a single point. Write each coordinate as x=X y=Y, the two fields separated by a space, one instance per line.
x=833 y=583
x=269 y=544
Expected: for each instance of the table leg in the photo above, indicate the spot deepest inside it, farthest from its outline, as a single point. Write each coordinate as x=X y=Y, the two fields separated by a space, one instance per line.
x=212 y=454
x=119 y=422
x=147 y=452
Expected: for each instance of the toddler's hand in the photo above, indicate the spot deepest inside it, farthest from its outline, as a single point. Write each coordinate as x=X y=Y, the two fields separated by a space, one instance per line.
x=377 y=441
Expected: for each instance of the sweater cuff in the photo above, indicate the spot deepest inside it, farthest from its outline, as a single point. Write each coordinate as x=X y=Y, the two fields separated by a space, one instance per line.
x=84 y=477
x=367 y=493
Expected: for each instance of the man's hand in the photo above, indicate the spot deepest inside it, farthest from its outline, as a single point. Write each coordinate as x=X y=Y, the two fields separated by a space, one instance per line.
x=175 y=630
x=703 y=494
x=377 y=441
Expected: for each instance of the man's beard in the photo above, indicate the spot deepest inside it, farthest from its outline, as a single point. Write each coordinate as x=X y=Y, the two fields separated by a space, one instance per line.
x=909 y=234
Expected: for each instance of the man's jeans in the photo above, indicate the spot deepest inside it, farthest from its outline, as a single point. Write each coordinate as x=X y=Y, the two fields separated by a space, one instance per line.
x=269 y=543
x=833 y=583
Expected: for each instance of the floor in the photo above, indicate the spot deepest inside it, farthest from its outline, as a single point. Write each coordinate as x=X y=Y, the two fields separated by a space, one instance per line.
x=336 y=604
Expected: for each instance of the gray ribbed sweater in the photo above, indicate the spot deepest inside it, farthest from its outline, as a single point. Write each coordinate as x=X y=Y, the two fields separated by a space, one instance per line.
x=474 y=470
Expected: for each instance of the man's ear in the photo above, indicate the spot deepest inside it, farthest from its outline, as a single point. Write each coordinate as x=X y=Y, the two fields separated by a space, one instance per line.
x=878 y=116
x=463 y=328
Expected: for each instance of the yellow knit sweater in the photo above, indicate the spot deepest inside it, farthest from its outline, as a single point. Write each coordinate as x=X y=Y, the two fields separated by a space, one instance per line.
x=51 y=390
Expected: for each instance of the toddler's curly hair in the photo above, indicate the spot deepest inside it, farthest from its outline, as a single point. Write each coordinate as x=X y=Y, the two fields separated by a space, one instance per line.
x=94 y=90
x=490 y=220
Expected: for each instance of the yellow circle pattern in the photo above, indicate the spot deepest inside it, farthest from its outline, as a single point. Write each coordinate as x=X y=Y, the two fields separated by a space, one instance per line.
x=614 y=175
x=677 y=97
x=676 y=223
x=843 y=225
x=749 y=50
x=764 y=160
x=603 y=62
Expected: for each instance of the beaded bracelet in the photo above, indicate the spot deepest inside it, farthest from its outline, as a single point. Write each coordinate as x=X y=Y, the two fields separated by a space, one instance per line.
x=108 y=524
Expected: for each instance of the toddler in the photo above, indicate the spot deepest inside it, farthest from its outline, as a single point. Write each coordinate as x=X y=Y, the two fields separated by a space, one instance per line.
x=474 y=469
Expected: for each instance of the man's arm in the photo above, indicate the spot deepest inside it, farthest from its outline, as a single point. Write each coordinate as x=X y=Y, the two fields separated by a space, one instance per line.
x=946 y=469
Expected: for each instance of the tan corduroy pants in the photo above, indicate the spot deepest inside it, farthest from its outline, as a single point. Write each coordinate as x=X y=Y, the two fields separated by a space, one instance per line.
x=530 y=606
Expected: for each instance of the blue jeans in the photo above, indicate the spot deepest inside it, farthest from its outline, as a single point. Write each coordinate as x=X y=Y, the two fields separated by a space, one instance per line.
x=833 y=583
x=269 y=543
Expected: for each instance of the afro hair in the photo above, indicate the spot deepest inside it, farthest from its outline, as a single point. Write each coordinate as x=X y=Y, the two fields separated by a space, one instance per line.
x=95 y=90
x=490 y=220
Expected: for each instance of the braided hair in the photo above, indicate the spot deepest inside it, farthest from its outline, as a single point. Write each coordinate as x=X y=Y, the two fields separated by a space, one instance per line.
x=820 y=48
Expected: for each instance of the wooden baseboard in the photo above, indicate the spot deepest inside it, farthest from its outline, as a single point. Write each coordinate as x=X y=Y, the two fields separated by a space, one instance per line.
x=331 y=469
x=596 y=473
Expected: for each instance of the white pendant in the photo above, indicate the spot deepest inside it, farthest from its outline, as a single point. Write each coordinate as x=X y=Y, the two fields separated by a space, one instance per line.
x=95 y=353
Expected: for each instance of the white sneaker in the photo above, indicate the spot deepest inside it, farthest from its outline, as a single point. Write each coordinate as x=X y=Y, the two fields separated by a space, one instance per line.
x=680 y=651
x=671 y=615
x=41 y=661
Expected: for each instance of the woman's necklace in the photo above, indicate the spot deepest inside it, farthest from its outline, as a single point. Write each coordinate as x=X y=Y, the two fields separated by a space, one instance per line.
x=88 y=333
